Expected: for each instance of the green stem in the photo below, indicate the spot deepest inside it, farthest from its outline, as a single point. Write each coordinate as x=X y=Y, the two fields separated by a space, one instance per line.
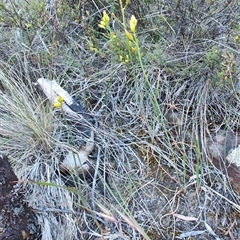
x=125 y=28
x=157 y=111
x=123 y=15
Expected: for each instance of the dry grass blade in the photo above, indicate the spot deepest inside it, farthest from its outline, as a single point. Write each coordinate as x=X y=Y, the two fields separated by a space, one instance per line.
x=157 y=97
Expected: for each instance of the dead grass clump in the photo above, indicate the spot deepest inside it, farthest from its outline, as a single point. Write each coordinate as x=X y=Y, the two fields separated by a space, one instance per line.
x=153 y=178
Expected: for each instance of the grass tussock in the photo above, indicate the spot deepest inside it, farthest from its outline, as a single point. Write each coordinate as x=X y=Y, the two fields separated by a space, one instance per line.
x=160 y=78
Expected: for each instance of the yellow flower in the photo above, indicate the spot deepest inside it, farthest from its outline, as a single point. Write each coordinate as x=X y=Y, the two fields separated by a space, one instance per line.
x=133 y=49
x=102 y=24
x=92 y=48
x=28 y=25
x=57 y=105
x=236 y=38
x=60 y=99
x=105 y=20
x=129 y=35
x=133 y=23
x=127 y=59
x=58 y=102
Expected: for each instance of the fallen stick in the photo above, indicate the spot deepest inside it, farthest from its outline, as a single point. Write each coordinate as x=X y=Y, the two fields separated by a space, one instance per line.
x=74 y=159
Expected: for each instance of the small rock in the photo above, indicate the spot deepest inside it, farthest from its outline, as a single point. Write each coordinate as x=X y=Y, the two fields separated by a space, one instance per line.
x=224 y=150
x=174 y=117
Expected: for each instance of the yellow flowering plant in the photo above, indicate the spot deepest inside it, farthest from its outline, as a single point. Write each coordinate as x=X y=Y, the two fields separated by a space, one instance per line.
x=123 y=43
x=58 y=102
x=104 y=21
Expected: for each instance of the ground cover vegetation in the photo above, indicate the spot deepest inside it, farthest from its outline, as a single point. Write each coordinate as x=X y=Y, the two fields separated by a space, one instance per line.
x=160 y=77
